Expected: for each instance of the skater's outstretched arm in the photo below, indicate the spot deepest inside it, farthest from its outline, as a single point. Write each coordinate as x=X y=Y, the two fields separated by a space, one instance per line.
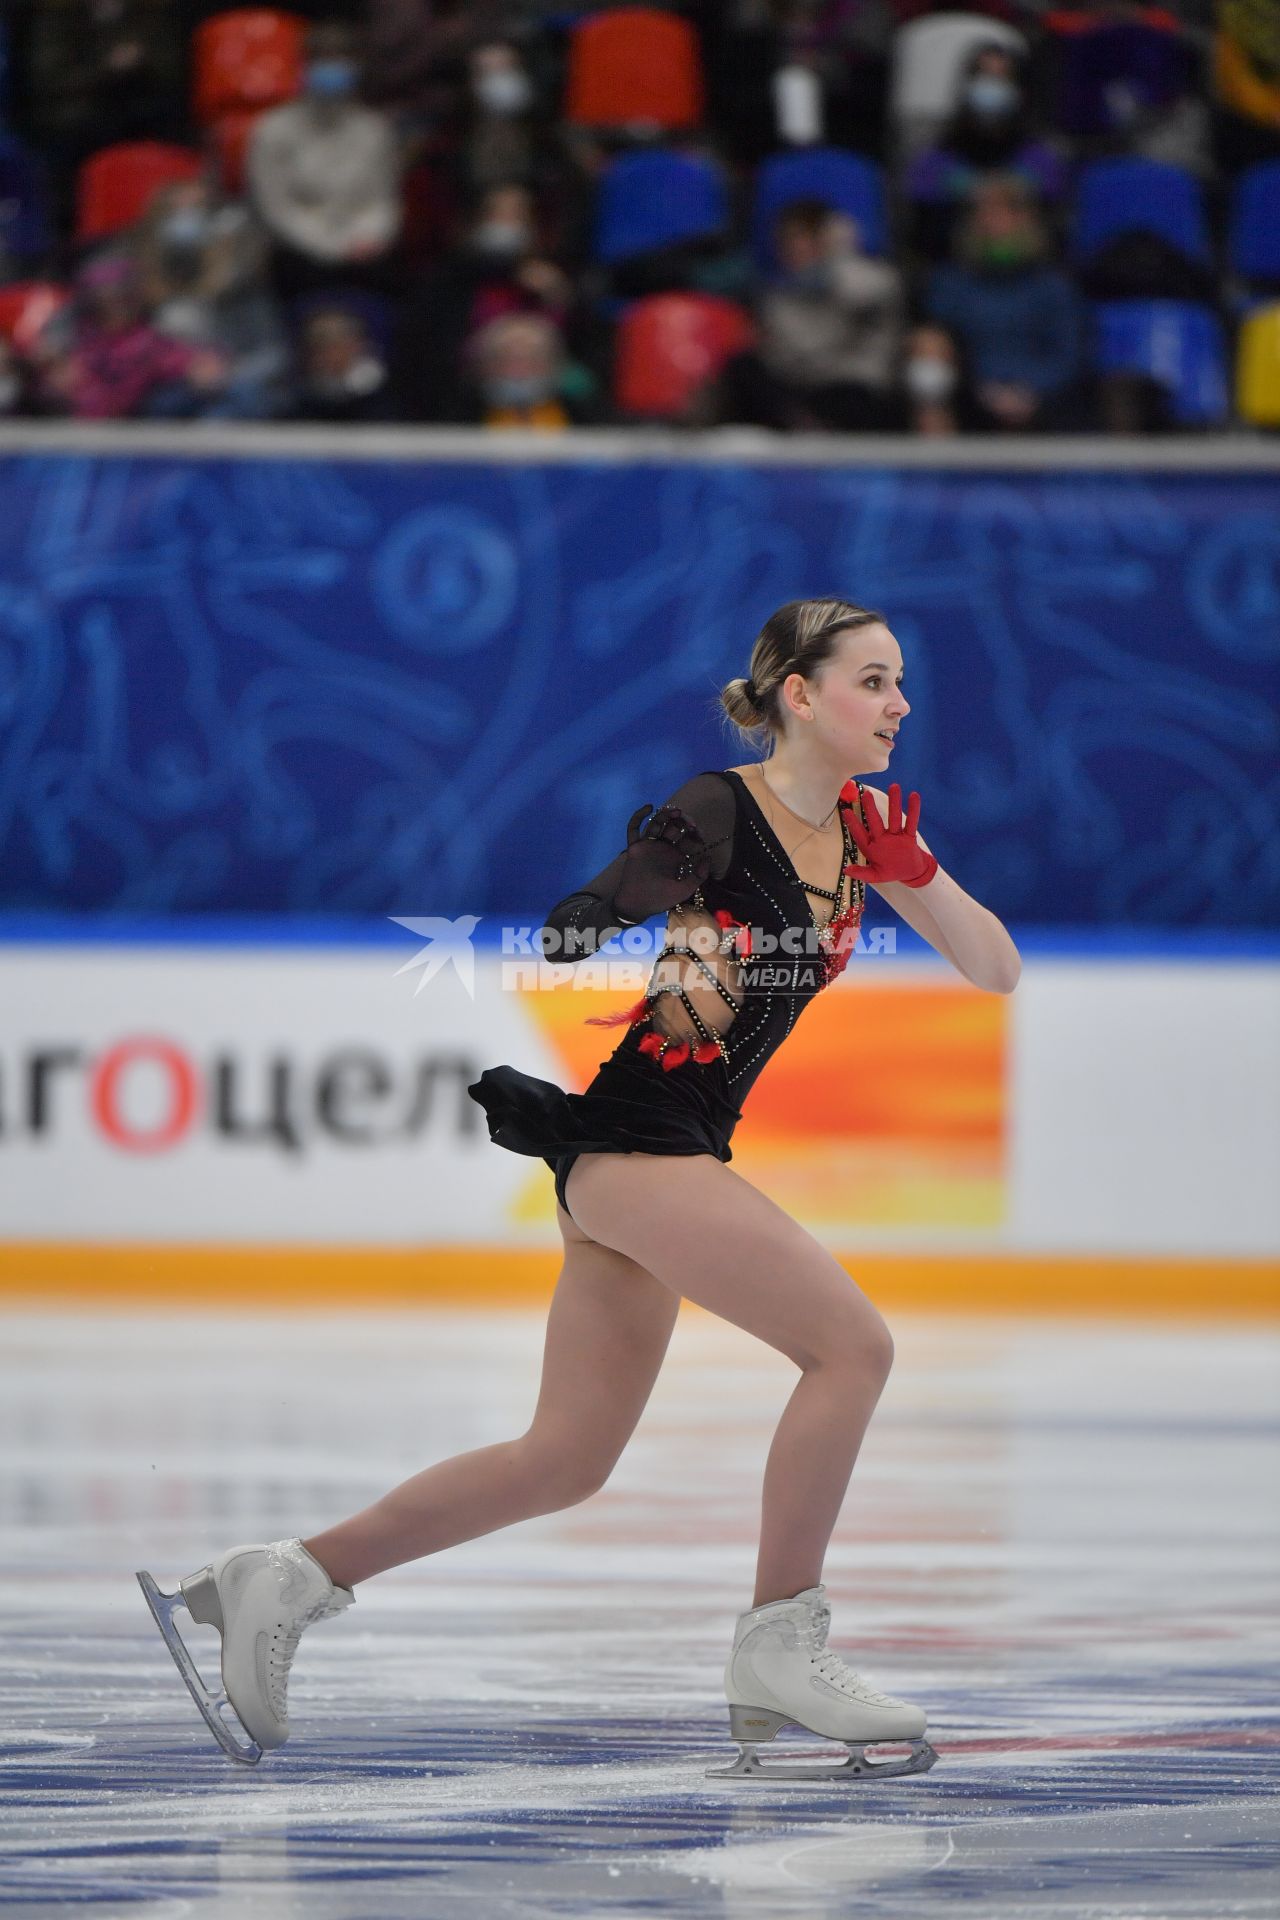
x=668 y=856
x=957 y=926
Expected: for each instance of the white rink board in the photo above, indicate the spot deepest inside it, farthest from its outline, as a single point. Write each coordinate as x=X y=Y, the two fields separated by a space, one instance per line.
x=1142 y=1102
x=1146 y=1108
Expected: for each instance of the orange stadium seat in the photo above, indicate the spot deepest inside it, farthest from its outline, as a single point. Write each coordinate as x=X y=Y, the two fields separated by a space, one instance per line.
x=115 y=187
x=671 y=344
x=634 y=66
x=245 y=60
x=1258 y=368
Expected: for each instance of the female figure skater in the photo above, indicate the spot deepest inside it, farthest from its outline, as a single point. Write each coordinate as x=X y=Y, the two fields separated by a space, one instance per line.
x=742 y=861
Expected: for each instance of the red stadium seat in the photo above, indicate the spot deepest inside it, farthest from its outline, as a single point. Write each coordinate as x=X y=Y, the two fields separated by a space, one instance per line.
x=634 y=66
x=228 y=136
x=670 y=345
x=245 y=60
x=25 y=306
x=115 y=187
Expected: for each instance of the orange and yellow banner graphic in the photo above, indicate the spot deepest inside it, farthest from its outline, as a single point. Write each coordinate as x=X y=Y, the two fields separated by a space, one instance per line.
x=886 y=1107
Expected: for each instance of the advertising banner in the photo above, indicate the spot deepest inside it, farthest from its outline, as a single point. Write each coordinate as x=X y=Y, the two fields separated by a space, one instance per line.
x=311 y=1097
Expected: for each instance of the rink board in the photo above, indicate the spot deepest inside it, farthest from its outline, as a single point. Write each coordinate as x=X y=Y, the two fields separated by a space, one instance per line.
x=1105 y=1136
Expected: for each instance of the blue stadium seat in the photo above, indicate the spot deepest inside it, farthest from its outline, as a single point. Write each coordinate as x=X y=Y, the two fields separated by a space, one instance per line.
x=1254 y=245
x=651 y=200
x=1116 y=196
x=1173 y=341
x=844 y=180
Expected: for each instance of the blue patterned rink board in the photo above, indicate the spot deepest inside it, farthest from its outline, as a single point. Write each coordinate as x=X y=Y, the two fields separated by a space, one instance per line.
x=294 y=685
x=1061 y=1538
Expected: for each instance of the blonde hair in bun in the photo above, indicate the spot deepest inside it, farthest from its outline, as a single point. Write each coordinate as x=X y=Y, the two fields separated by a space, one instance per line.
x=799 y=638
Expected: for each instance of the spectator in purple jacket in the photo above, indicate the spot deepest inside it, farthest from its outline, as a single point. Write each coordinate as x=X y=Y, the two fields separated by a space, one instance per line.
x=1018 y=319
x=115 y=365
x=990 y=132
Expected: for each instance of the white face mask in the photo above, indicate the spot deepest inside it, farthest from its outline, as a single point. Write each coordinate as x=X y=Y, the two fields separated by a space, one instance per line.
x=505 y=90
x=518 y=390
x=333 y=79
x=930 y=380
x=185 y=227
x=991 y=95
x=501 y=239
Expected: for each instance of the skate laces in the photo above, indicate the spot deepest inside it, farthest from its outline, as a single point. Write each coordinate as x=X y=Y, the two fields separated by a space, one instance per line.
x=294 y=1582
x=282 y=1652
x=832 y=1667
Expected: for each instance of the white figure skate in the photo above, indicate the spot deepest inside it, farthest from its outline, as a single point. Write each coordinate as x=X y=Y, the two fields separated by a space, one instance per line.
x=781 y=1673
x=259 y=1599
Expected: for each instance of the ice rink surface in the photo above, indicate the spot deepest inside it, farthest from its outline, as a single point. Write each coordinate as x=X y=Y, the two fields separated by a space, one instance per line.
x=1062 y=1539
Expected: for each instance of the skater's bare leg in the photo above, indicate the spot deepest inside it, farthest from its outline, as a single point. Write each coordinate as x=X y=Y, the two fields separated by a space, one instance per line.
x=698 y=1225
x=608 y=1329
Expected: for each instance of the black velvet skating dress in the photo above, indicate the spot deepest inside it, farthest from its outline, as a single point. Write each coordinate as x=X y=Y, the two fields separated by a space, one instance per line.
x=744 y=955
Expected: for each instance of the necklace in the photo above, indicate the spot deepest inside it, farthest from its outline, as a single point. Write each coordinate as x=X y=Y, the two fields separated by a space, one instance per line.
x=814 y=827
x=830 y=930
x=833 y=935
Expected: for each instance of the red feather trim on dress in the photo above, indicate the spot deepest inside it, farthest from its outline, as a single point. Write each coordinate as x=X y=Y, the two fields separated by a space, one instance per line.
x=630 y=1018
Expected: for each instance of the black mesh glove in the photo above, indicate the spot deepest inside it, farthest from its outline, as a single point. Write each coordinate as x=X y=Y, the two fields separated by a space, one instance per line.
x=666 y=858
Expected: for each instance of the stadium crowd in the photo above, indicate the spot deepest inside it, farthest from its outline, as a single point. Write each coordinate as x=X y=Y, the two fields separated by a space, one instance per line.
x=820 y=215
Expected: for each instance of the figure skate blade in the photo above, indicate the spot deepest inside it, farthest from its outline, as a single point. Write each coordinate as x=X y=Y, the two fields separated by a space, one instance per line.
x=855 y=1765
x=163 y=1607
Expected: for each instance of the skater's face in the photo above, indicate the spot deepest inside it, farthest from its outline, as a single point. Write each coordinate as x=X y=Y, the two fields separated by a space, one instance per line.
x=857 y=699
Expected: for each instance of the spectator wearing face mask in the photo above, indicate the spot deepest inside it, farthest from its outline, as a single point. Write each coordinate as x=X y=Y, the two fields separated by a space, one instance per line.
x=830 y=333
x=203 y=262
x=498 y=268
x=991 y=131
x=1019 y=320
x=521 y=376
x=342 y=374
x=324 y=176
x=500 y=141
x=935 y=397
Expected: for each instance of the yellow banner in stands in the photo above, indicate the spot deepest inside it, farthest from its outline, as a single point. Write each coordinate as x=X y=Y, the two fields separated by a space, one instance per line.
x=1247 y=59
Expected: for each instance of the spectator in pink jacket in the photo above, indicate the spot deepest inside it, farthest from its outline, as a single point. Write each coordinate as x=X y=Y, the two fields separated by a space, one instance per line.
x=115 y=365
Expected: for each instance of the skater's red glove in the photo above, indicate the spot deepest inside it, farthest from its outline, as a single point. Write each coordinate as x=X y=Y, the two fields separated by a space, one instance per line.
x=892 y=852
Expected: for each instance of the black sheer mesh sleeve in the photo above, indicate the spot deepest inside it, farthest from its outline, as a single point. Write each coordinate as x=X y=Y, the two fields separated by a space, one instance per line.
x=668 y=856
